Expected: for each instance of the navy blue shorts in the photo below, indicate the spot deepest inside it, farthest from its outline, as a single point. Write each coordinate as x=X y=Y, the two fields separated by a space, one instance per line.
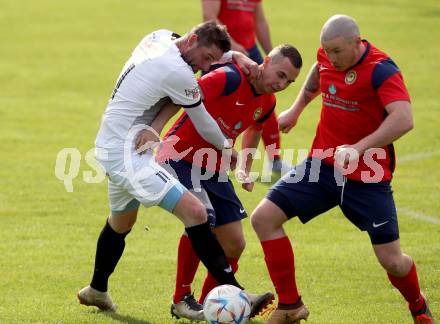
x=313 y=188
x=219 y=197
x=255 y=55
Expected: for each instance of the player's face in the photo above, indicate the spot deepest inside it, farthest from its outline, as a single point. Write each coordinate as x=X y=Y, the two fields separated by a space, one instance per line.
x=201 y=57
x=276 y=75
x=341 y=52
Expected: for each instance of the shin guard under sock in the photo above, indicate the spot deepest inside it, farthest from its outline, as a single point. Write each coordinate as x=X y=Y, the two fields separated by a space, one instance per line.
x=109 y=250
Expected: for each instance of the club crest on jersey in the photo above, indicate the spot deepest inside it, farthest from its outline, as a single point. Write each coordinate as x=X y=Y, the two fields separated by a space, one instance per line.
x=332 y=89
x=193 y=93
x=238 y=125
x=257 y=113
x=350 y=77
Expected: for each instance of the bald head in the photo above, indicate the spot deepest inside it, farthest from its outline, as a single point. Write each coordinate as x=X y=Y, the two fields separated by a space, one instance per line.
x=339 y=26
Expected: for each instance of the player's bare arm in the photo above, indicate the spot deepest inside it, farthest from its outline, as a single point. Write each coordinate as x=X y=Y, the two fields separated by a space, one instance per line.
x=398 y=122
x=262 y=29
x=148 y=138
x=288 y=119
x=250 y=140
x=210 y=11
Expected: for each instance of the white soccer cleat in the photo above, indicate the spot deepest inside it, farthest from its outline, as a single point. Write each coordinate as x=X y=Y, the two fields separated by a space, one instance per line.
x=91 y=297
x=188 y=308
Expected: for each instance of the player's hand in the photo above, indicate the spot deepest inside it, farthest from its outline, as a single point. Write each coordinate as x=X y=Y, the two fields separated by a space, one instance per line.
x=248 y=66
x=234 y=158
x=286 y=121
x=238 y=47
x=346 y=158
x=246 y=182
x=147 y=139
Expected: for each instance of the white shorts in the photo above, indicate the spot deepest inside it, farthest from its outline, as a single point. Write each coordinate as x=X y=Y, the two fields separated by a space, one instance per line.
x=138 y=179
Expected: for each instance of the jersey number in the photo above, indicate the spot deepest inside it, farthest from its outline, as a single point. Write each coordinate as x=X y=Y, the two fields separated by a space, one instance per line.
x=131 y=67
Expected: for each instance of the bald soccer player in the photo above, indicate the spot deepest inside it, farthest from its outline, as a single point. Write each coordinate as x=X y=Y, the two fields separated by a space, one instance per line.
x=365 y=108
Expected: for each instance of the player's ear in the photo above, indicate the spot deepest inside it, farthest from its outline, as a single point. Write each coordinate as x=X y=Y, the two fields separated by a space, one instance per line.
x=192 y=40
x=266 y=61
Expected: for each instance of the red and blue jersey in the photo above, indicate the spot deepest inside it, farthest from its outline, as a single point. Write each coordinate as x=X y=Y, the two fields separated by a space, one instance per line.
x=239 y=18
x=353 y=105
x=232 y=102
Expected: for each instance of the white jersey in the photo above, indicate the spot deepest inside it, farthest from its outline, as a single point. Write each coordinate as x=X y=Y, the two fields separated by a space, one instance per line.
x=154 y=75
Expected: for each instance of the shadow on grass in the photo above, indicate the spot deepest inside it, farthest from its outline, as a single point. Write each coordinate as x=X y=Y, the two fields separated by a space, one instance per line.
x=124 y=318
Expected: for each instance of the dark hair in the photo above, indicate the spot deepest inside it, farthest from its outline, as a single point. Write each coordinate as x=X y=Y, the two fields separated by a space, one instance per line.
x=288 y=51
x=210 y=33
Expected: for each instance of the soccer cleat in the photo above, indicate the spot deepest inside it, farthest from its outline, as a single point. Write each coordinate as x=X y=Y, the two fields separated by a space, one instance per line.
x=91 y=297
x=289 y=315
x=424 y=316
x=280 y=167
x=188 y=308
x=259 y=302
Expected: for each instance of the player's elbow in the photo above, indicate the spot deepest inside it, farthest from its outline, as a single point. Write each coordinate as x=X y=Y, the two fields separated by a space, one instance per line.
x=407 y=122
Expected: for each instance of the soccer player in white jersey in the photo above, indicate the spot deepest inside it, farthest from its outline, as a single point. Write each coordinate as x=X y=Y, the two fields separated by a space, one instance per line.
x=160 y=71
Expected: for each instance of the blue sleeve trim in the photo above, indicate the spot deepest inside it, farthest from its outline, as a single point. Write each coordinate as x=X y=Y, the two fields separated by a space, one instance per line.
x=233 y=79
x=382 y=72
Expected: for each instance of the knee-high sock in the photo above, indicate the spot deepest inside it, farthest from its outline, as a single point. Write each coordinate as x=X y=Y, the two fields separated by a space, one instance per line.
x=211 y=254
x=409 y=288
x=271 y=135
x=210 y=282
x=109 y=250
x=187 y=264
x=279 y=258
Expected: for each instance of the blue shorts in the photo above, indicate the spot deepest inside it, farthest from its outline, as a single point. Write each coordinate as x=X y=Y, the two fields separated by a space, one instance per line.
x=255 y=55
x=219 y=197
x=316 y=188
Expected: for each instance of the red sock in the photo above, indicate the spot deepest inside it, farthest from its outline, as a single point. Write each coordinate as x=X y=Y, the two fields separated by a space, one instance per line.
x=271 y=136
x=210 y=283
x=187 y=263
x=409 y=288
x=279 y=258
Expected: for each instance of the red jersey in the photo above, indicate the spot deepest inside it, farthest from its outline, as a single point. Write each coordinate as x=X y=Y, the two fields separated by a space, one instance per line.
x=353 y=106
x=239 y=18
x=232 y=102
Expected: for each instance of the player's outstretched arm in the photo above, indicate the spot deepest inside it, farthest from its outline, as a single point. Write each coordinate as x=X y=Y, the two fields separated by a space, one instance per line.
x=310 y=89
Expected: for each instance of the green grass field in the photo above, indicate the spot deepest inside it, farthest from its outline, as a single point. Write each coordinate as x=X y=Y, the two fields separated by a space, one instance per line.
x=59 y=62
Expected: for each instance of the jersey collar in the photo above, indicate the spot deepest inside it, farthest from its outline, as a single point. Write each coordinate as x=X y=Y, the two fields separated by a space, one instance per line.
x=367 y=50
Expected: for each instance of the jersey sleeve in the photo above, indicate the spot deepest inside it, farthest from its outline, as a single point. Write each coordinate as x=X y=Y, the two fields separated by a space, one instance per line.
x=182 y=88
x=388 y=82
x=212 y=84
x=220 y=82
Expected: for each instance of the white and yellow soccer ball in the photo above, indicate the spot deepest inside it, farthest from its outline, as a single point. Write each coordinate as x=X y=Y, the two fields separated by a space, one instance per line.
x=227 y=304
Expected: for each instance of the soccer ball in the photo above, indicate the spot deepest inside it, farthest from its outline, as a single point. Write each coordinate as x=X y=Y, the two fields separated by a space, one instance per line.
x=227 y=304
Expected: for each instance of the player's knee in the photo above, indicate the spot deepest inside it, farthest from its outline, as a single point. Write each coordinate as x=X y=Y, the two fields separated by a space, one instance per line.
x=257 y=221
x=235 y=247
x=392 y=265
x=198 y=213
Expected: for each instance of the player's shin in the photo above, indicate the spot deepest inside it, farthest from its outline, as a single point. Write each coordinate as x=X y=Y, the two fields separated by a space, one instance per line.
x=211 y=254
x=109 y=249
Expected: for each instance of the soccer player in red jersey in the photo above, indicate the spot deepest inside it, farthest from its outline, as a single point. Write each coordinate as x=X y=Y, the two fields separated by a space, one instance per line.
x=237 y=105
x=365 y=108
x=247 y=23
